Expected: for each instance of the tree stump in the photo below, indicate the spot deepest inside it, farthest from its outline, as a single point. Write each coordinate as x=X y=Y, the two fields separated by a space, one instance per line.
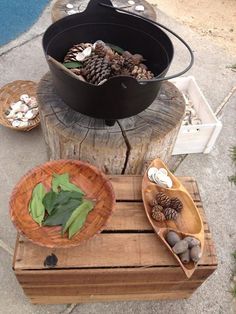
x=125 y=148
x=59 y=9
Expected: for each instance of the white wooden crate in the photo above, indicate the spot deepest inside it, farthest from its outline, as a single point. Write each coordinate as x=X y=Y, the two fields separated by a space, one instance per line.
x=196 y=138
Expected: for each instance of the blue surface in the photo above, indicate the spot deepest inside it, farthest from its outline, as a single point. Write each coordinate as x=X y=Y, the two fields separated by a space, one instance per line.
x=17 y=16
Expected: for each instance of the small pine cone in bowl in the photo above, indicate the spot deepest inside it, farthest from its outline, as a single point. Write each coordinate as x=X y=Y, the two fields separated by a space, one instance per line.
x=158 y=215
x=176 y=204
x=163 y=199
x=170 y=213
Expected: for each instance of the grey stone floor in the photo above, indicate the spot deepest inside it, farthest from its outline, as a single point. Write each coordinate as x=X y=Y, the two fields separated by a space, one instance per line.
x=23 y=59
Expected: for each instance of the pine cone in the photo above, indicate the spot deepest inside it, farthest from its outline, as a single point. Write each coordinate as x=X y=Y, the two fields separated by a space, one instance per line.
x=102 y=50
x=170 y=213
x=163 y=199
x=140 y=73
x=128 y=61
x=117 y=64
x=72 y=53
x=96 y=69
x=153 y=202
x=158 y=207
x=157 y=215
x=176 y=204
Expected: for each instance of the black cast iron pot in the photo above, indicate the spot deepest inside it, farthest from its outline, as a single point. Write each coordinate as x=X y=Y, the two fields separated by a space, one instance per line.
x=120 y=96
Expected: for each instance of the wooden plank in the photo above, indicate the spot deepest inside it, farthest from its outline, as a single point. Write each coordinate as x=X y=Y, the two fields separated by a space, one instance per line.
x=110 y=289
x=129 y=187
x=174 y=295
x=131 y=216
x=40 y=278
x=105 y=250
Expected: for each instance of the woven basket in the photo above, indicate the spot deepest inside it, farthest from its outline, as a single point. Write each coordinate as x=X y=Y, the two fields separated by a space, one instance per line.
x=11 y=93
x=91 y=180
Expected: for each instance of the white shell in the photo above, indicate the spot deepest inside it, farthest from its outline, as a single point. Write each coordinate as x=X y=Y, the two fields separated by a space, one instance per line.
x=87 y=52
x=169 y=182
x=16 y=105
x=23 y=124
x=15 y=123
x=131 y=2
x=70 y=12
x=33 y=103
x=11 y=114
x=163 y=170
x=31 y=114
x=69 y=6
x=151 y=172
x=19 y=115
x=161 y=176
x=139 y=8
x=24 y=108
x=80 y=56
x=25 y=98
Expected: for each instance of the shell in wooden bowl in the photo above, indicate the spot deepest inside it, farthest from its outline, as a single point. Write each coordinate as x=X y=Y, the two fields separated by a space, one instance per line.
x=188 y=223
x=11 y=93
x=91 y=180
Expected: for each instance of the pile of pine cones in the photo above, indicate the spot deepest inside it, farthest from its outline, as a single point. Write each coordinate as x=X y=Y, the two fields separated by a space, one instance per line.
x=96 y=63
x=165 y=208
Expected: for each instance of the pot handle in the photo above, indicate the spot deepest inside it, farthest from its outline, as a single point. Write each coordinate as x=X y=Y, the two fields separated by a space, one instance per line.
x=168 y=30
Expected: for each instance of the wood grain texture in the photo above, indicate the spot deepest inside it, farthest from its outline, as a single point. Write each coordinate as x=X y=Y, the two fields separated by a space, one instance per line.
x=59 y=9
x=125 y=148
x=125 y=262
x=92 y=182
x=11 y=93
x=173 y=295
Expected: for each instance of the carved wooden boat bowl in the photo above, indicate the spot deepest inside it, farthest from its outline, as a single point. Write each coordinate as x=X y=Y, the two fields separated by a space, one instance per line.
x=188 y=223
x=91 y=180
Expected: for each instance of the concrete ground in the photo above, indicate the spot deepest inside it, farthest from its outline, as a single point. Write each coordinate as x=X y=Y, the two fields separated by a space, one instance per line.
x=23 y=59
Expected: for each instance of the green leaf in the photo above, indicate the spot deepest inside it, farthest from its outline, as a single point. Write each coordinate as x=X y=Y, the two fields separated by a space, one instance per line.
x=36 y=207
x=64 y=196
x=116 y=48
x=62 y=181
x=73 y=64
x=49 y=201
x=86 y=206
x=78 y=223
x=62 y=213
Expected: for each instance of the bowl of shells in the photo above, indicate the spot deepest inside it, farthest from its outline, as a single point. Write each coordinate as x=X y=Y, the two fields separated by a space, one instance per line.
x=18 y=105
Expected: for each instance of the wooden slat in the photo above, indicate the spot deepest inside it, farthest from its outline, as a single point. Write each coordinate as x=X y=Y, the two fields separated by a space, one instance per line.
x=111 y=289
x=131 y=216
x=129 y=187
x=41 y=278
x=174 y=295
x=105 y=250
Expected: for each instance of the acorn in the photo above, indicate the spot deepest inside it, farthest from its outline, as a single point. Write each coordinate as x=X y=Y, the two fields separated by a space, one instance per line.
x=192 y=241
x=180 y=247
x=172 y=238
x=195 y=253
x=185 y=257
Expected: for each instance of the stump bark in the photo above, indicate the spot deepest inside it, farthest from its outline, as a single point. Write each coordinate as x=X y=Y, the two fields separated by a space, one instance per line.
x=59 y=9
x=125 y=148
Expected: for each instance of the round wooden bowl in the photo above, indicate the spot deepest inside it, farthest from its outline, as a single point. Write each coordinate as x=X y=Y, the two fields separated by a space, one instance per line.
x=91 y=180
x=10 y=93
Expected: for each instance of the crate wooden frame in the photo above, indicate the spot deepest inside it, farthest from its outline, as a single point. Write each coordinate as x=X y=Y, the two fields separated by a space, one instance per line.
x=126 y=261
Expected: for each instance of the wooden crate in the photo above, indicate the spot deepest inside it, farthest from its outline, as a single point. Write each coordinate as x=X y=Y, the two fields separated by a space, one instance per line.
x=196 y=138
x=125 y=262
